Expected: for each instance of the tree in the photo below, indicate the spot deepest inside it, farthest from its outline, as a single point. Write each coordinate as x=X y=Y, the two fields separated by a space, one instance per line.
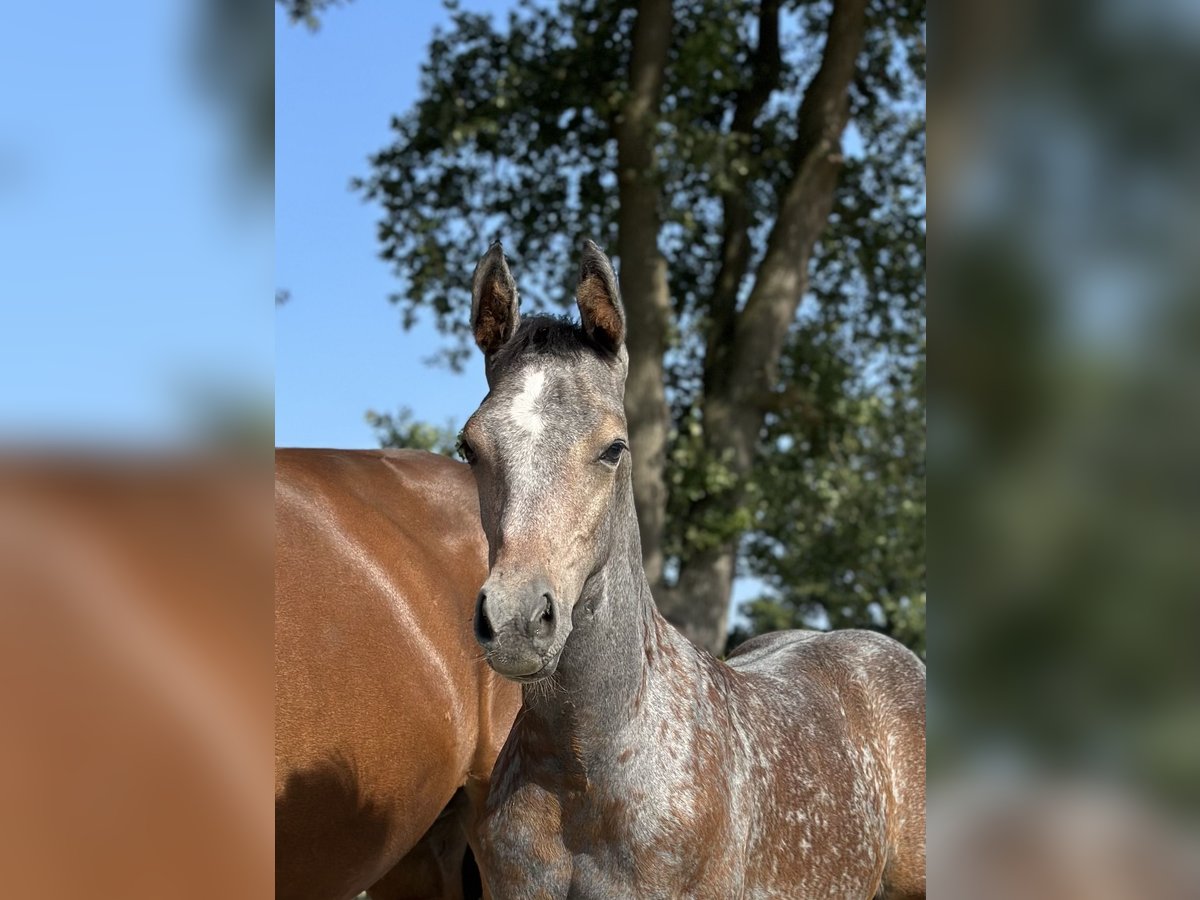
x=702 y=141
x=401 y=429
x=842 y=540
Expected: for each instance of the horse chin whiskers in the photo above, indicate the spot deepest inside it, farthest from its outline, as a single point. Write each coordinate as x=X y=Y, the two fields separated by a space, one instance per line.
x=546 y=688
x=540 y=690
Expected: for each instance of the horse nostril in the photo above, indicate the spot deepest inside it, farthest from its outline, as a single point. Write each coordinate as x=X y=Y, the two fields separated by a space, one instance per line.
x=541 y=625
x=484 y=633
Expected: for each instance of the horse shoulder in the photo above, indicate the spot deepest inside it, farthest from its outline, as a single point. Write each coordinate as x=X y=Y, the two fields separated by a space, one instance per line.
x=521 y=835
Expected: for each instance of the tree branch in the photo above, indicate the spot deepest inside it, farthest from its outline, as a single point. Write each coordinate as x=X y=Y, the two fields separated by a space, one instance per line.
x=804 y=208
x=635 y=123
x=766 y=67
x=644 y=285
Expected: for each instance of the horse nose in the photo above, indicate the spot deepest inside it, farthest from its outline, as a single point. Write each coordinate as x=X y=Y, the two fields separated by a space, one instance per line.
x=484 y=632
x=529 y=614
x=540 y=626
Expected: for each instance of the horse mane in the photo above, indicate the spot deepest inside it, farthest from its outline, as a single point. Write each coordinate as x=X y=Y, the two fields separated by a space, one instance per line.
x=557 y=337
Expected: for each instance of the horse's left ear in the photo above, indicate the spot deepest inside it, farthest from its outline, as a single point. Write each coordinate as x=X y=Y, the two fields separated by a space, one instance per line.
x=599 y=299
x=494 y=302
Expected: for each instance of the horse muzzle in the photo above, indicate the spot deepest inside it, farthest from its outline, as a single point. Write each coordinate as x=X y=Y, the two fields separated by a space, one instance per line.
x=518 y=629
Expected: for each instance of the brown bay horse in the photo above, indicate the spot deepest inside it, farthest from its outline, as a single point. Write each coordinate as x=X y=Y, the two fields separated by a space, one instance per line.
x=387 y=720
x=135 y=675
x=640 y=766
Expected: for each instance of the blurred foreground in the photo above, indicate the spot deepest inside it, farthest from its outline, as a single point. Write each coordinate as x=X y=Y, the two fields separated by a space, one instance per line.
x=135 y=583
x=1064 y=444
x=997 y=838
x=135 y=677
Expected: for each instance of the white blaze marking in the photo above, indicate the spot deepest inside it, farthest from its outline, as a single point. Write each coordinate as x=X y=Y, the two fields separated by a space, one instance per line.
x=524 y=410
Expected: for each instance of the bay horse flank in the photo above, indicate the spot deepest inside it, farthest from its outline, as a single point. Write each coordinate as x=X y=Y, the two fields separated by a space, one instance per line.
x=135 y=693
x=639 y=765
x=387 y=721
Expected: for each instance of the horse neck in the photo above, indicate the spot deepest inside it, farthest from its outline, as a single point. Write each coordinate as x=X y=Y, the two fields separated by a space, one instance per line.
x=614 y=656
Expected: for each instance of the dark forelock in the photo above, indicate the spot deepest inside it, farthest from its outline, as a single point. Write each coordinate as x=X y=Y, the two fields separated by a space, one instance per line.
x=555 y=337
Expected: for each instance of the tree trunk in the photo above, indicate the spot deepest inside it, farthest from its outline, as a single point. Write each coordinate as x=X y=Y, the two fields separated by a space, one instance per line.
x=644 y=286
x=738 y=381
x=699 y=604
x=648 y=418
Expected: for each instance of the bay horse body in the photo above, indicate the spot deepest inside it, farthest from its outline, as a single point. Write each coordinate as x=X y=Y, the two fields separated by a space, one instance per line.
x=387 y=720
x=135 y=681
x=640 y=766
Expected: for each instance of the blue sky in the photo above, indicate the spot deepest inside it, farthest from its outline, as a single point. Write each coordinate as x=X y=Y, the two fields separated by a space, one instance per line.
x=133 y=265
x=340 y=347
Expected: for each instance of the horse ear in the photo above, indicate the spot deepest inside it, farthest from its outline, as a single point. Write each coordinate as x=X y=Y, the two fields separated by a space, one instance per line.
x=494 y=301
x=599 y=299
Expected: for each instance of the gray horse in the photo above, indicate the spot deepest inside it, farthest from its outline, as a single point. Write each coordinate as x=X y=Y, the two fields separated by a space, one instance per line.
x=639 y=765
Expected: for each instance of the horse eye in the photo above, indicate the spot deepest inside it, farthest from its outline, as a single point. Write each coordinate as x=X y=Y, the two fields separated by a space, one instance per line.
x=466 y=451
x=612 y=455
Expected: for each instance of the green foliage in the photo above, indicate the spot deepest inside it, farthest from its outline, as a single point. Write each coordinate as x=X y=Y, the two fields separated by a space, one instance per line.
x=400 y=429
x=839 y=535
x=510 y=138
x=693 y=476
x=513 y=137
x=839 y=493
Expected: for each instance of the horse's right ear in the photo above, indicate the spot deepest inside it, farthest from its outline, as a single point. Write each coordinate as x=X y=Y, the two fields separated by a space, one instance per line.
x=494 y=315
x=599 y=299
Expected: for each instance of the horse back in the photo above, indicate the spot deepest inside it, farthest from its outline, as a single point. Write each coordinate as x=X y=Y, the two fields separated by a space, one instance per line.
x=383 y=707
x=849 y=749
